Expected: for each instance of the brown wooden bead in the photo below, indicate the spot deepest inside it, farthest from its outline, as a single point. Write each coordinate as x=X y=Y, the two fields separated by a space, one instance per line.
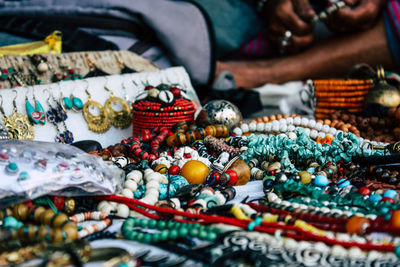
x=57 y=236
x=265 y=119
x=38 y=214
x=48 y=216
x=272 y=117
x=43 y=231
x=71 y=230
x=286 y=115
x=210 y=130
x=181 y=138
x=279 y=116
x=171 y=140
x=219 y=130
x=397 y=114
x=259 y=119
x=21 y=212
x=327 y=121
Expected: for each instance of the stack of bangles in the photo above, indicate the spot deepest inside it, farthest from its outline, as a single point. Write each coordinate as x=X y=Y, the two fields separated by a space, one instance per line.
x=335 y=94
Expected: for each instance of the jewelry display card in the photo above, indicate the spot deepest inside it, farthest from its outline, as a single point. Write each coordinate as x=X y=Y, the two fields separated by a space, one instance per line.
x=34 y=100
x=50 y=67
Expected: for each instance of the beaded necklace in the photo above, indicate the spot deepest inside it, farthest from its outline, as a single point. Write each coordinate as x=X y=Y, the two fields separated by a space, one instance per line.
x=55 y=227
x=132 y=229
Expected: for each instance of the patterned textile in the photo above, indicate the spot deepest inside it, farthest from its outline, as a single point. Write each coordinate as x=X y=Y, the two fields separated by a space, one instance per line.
x=392 y=23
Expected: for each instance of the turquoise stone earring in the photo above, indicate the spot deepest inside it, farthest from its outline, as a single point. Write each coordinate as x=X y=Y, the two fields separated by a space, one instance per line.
x=71 y=103
x=36 y=114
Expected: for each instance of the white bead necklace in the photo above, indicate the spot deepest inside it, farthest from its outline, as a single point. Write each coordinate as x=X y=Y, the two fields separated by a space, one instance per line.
x=133 y=179
x=289 y=125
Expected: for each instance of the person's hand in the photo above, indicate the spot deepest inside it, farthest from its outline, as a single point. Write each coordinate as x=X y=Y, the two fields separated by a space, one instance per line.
x=359 y=15
x=293 y=16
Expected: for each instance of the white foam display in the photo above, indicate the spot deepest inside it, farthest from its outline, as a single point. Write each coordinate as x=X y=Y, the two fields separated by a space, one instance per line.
x=134 y=84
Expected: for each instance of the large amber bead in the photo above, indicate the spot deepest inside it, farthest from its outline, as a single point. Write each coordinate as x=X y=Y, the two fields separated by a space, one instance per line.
x=195 y=172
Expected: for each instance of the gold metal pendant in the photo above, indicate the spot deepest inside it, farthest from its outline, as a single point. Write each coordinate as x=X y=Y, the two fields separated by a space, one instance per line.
x=19 y=127
x=383 y=93
x=96 y=123
x=119 y=119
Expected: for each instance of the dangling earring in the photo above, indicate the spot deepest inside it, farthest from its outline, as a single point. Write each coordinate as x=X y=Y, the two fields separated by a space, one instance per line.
x=57 y=115
x=96 y=123
x=36 y=115
x=4 y=134
x=124 y=68
x=71 y=103
x=119 y=118
x=94 y=71
x=18 y=124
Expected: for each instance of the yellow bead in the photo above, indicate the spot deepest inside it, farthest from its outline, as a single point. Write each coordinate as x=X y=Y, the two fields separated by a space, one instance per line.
x=305 y=177
x=195 y=172
x=395 y=219
x=161 y=168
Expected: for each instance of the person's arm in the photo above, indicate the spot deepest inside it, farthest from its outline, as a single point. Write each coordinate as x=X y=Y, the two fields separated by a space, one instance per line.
x=331 y=58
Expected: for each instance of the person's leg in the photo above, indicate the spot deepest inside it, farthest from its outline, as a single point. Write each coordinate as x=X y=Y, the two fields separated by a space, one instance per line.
x=330 y=58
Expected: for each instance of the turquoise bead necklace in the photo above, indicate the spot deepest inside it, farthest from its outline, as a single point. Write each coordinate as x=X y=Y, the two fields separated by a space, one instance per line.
x=133 y=229
x=343 y=147
x=351 y=199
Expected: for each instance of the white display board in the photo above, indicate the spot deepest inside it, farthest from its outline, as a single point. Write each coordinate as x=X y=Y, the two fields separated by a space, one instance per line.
x=133 y=83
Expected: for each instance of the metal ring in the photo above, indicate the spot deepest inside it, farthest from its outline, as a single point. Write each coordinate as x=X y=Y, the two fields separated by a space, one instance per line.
x=285 y=42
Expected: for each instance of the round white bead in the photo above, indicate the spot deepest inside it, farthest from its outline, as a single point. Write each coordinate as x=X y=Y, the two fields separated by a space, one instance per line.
x=153 y=192
x=332 y=131
x=155 y=176
x=289 y=120
x=113 y=204
x=147 y=172
x=325 y=128
x=338 y=251
x=123 y=211
x=313 y=133
x=307 y=131
x=245 y=127
x=153 y=184
x=131 y=185
x=291 y=128
x=311 y=123
x=237 y=131
x=283 y=128
x=304 y=121
x=321 y=135
x=297 y=121
x=318 y=126
x=292 y=135
x=290 y=244
x=135 y=176
x=282 y=121
x=373 y=255
x=275 y=128
x=127 y=193
x=321 y=247
x=355 y=253
x=107 y=209
x=252 y=126
x=102 y=203
x=260 y=127
x=220 y=197
x=275 y=122
x=272 y=197
x=268 y=127
x=343 y=237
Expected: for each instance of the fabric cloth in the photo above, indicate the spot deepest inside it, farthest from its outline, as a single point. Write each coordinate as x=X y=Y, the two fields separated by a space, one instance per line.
x=187 y=36
x=392 y=25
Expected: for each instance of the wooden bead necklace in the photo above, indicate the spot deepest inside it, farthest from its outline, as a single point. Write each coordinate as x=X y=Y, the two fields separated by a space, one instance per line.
x=185 y=135
x=55 y=227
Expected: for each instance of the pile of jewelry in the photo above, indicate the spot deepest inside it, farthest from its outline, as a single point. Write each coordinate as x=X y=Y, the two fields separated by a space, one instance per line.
x=326 y=197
